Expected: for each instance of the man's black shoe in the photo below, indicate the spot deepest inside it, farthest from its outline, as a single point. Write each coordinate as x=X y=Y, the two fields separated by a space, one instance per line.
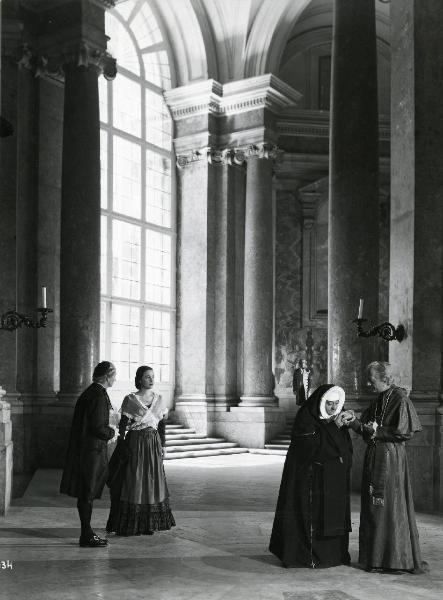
x=93 y=542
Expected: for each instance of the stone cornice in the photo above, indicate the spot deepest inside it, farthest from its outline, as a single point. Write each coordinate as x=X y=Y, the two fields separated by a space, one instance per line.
x=315 y=123
x=211 y=97
x=229 y=156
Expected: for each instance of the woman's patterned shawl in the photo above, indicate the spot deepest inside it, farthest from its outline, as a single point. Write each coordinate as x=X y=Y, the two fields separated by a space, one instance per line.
x=142 y=416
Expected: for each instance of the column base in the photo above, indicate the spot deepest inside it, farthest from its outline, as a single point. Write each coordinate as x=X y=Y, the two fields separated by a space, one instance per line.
x=67 y=399
x=191 y=410
x=250 y=426
x=222 y=402
x=257 y=401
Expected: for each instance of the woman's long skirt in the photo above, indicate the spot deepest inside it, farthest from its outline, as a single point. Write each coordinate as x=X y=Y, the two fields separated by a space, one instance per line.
x=144 y=499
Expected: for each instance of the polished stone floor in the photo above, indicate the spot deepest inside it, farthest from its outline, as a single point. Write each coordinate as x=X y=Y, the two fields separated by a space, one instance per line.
x=223 y=507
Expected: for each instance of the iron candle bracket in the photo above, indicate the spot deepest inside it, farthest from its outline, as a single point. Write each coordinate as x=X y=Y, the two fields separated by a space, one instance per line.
x=12 y=320
x=385 y=330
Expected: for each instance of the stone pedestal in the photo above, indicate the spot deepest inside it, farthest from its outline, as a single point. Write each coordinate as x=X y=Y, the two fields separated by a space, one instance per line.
x=259 y=285
x=5 y=455
x=191 y=410
x=353 y=207
x=250 y=427
x=416 y=286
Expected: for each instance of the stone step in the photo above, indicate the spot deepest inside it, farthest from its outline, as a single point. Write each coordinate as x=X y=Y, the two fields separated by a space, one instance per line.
x=276 y=447
x=199 y=440
x=183 y=436
x=267 y=451
x=202 y=446
x=180 y=429
x=174 y=432
x=200 y=452
x=173 y=426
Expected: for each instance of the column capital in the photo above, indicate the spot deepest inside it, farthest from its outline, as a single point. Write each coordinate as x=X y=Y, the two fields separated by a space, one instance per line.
x=67 y=32
x=198 y=108
x=229 y=156
x=75 y=55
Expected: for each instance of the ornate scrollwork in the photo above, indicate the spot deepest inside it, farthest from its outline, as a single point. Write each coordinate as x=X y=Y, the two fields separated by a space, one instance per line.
x=385 y=330
x=12 y=320
x=229 y=156
x=79 y=55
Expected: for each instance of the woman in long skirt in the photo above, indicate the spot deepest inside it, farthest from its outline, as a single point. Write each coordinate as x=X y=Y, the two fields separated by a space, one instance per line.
x=140 y=506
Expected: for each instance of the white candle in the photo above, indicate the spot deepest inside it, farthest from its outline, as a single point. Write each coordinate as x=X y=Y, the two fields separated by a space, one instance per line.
x=43 y=297
x=360 y=309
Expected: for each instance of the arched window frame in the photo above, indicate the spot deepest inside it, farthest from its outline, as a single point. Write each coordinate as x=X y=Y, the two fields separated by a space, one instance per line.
x=109 y=132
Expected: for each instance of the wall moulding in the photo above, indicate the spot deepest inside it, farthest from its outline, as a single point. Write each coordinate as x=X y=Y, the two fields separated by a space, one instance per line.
x=315 y=123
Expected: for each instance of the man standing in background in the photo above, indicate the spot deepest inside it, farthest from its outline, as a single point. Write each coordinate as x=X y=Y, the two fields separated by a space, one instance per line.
x=301 y=382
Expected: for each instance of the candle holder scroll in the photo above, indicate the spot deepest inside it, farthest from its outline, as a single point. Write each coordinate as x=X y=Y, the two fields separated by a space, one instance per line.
x=385 y=330
x=12 y=320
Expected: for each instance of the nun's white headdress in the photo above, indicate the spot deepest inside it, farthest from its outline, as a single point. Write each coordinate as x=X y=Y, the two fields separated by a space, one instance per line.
x=334 y=393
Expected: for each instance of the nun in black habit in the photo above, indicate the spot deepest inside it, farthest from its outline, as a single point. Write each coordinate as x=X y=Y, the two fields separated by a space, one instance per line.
x=313 y=518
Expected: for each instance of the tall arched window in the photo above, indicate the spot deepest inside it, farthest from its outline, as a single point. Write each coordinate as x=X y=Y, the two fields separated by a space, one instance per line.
x=138 y=216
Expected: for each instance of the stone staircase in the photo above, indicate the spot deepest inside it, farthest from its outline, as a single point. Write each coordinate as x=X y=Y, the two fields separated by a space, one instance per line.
x=278 y=445
x=182 y=442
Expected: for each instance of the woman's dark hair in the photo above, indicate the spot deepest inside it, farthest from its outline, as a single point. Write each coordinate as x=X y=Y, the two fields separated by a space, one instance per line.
x=139 y=374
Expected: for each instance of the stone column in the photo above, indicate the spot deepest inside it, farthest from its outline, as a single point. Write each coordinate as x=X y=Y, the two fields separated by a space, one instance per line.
x=80 y=221
x=198 y=180
x=353 y=200
x=230 y=193
x=210 y=139
x=80 y=230
x=259 y=282
x=416 y=263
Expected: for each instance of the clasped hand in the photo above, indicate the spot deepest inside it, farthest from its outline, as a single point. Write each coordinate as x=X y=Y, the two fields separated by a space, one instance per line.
x=344 y=418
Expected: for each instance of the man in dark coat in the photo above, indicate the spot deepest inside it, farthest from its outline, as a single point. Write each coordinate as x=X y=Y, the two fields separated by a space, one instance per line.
x=301 y=382
x=86 y=465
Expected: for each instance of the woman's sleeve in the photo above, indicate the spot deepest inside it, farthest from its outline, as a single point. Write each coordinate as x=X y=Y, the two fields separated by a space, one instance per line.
x=122 y=425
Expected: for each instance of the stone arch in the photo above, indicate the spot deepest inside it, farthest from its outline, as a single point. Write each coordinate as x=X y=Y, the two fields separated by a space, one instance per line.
x=269 y=34
x=189 y=41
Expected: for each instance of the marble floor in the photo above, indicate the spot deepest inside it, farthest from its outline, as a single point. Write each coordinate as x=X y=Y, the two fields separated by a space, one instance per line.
x=223 y=506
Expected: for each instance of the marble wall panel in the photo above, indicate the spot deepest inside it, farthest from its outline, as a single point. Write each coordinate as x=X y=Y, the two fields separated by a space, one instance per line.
x=291 y=339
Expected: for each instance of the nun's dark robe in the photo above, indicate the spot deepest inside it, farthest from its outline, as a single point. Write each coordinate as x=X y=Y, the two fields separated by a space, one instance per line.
x=388 y=537
x=313 y=518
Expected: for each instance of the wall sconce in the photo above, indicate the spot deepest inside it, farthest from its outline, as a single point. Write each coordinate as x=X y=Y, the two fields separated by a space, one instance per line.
x=385 y=330
x=12 y=320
